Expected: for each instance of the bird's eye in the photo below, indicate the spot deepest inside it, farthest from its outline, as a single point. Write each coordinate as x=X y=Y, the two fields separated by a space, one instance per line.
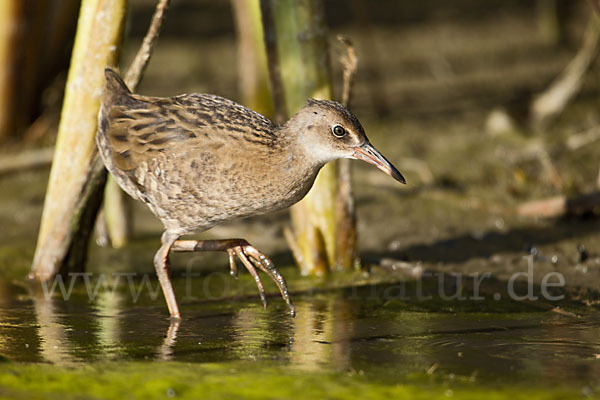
x=338 y=131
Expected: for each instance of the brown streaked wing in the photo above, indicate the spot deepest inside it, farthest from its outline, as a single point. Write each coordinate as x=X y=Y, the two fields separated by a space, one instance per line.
x=158 y=125
x=138 y=134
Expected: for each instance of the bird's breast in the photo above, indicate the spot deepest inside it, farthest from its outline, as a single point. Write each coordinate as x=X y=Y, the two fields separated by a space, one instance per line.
x=202 y=188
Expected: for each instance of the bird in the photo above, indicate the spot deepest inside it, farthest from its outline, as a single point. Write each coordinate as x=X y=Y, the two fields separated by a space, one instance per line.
x=198 y=160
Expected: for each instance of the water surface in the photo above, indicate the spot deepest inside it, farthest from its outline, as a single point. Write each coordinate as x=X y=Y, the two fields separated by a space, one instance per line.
x=359 y=330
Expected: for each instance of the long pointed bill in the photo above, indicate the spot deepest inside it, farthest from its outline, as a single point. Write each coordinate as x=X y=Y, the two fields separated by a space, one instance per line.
x=368 y=153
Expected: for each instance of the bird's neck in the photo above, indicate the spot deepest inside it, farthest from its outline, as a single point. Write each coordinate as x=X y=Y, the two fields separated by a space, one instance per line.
x=294 y=167
x=293 y=137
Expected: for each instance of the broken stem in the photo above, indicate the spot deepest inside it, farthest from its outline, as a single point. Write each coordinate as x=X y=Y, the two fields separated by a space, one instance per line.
x=346 y=254
x=140 y=62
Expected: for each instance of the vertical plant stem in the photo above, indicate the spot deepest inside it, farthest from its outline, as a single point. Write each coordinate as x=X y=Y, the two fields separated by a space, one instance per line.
x=117 y=214
x=296 y=33
x=76 y=176
x=10 y=14
x=140 y=62
x=347 y=236
x=33 y=35
x=280 y=111
x=252 y=58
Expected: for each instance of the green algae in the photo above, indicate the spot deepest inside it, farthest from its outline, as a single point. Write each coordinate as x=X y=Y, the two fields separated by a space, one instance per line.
x=244 y=380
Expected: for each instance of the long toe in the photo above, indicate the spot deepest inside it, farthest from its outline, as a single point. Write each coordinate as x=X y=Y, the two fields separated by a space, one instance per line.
x=263 y=263
x=239 y=251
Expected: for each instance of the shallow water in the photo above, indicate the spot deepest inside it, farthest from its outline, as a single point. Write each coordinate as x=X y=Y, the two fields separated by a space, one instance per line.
x=360 y=329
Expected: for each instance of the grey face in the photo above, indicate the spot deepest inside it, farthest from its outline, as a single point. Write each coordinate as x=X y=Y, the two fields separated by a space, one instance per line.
x=331 y=131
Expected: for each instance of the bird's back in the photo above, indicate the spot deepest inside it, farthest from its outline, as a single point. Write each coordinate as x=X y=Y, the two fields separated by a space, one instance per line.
x=135 y=128
x=196 y=159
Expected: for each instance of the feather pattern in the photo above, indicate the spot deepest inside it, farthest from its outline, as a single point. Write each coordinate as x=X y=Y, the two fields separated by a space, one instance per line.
x=200 y=159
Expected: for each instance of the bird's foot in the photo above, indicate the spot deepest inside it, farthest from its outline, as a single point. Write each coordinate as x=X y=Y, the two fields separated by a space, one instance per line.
x=252 y=259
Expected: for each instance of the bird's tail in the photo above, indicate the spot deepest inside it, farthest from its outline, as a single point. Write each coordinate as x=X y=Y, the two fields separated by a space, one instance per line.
x=115 y=93
x=115 y=90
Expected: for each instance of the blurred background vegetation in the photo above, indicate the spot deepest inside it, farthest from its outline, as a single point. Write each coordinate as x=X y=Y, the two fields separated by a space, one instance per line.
x=491 y=111
x=447 y=90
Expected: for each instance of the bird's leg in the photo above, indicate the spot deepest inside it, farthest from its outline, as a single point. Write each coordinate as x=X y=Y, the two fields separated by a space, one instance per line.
x=162 y=265
x=250 y=257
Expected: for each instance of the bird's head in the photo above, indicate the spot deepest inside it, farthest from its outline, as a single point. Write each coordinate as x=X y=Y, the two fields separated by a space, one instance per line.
x=326 y=131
